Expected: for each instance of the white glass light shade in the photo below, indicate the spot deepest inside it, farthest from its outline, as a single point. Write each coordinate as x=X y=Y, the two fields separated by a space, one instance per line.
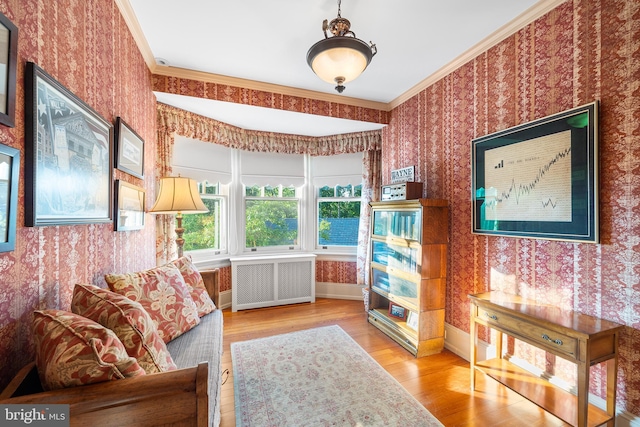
x=178 y=195
x=339 y=57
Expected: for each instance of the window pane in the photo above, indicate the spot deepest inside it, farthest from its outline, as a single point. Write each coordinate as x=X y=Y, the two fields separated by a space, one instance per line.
x=327 y=192
x=344 y=191
x=211 y=188
x=202 y=231
x=338 y=223
x=271 y=191
x=271 y=223
x=253 y=191
x=288 y=192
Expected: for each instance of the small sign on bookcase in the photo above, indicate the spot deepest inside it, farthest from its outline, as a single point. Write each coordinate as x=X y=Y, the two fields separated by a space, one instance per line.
x=403 y=175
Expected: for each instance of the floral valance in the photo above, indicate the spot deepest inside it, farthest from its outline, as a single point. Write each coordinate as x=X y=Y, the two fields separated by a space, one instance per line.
x=172 y=120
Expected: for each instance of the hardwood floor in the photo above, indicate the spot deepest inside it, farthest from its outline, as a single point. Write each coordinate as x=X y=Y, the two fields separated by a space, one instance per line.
x=439 y=382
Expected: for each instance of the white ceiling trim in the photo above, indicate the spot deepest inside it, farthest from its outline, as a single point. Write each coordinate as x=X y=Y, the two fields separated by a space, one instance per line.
x=136 y=31
x=507 y=30
x=527 y=17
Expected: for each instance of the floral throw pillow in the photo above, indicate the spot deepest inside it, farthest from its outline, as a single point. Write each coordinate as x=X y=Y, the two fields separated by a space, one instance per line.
x=130 y=322
x=72 y=350
x=194 y=282
x=163 y=294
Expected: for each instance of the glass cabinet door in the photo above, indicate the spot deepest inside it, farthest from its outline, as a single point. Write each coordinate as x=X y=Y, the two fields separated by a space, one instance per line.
x=395 y=286
x=403 y=258
x=405 y=224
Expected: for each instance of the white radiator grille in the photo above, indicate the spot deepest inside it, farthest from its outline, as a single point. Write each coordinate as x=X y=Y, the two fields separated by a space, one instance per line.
x=255 y=283
x=294 y=279
x=272 y=280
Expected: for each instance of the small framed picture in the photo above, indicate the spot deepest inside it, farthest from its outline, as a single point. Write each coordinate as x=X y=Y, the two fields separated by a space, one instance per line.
x=129 y=212
x=129 y=150
x=412 y=320
x=9 y=177
x=397 y=311
x=8 y=67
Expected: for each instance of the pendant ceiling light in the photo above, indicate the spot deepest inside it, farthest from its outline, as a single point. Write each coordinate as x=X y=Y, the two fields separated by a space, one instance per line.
x=341 y=58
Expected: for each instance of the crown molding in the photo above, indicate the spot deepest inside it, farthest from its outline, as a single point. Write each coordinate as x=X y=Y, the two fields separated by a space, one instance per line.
x=534 y=12
x=527 y=17
x=138 y=36
x=136 y=31
x=201 y=76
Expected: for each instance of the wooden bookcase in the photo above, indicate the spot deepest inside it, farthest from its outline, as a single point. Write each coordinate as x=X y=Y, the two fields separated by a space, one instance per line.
x=409 y=243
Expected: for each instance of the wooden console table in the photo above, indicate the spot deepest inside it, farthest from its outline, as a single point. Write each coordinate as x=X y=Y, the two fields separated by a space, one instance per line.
x=582 y=339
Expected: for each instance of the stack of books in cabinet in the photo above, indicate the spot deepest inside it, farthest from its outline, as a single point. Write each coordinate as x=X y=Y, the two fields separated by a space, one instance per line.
x=409 y=244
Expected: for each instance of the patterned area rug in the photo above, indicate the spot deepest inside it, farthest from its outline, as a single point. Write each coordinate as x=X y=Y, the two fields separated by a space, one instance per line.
x=318 y=377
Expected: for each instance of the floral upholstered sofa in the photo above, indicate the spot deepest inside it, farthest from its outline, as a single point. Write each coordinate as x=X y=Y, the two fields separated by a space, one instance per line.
x=146 y=351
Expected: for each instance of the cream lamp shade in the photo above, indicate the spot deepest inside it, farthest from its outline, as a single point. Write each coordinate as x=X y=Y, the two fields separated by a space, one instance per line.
x=178 y=195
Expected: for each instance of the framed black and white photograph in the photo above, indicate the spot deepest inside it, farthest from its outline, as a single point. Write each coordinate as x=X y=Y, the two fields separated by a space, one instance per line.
x=130 y=204
x=68 y=156
x=129 y=150
x=539 y=179
x=397 y=311
x=9 y=176
x=8 y=69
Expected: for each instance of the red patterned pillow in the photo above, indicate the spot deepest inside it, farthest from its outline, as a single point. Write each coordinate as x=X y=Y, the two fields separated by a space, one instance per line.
x=72 y=350
x=129 y=321
x=194 y=282
x=163 y=294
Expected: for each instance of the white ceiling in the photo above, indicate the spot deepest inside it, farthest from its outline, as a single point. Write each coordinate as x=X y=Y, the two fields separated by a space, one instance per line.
x=267 y=41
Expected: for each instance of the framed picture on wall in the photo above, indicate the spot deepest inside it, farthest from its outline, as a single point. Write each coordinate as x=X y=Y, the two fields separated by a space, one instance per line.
x=129 y=150
x=540 y=179
x=9 y=176
x=68 y=156
x=8 y=67
x=130 y=203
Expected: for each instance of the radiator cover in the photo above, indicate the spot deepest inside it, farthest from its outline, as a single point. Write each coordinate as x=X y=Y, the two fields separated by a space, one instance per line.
x=271 y=280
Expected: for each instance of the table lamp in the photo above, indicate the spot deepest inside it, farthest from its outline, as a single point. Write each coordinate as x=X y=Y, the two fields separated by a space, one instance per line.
x=178 y=195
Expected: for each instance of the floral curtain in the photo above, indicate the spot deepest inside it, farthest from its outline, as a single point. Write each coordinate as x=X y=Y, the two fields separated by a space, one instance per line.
x=172 y=121
x=371 y=181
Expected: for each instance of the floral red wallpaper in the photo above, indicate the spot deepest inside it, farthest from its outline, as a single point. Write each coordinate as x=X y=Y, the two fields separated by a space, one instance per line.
x=336 y=272
x=88 y=48
x=581 y=51
x=199 y=89
x=584 y=50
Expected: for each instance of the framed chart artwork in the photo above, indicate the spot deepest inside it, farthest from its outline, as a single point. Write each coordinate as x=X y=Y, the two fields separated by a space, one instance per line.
x=68 y=156
x=539 y=179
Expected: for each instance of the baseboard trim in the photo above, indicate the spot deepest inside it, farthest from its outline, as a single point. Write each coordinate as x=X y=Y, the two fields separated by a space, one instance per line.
x=224 y=299
x=459 y=342
x=348 y=291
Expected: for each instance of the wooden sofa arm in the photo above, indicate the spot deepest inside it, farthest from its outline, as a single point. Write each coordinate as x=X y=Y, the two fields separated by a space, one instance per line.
x=211 y=279
x=177 y=398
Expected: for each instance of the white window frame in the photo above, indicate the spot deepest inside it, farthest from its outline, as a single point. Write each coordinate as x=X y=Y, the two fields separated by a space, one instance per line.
x=337 y=249
x=280 y=248
x=202 y=255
